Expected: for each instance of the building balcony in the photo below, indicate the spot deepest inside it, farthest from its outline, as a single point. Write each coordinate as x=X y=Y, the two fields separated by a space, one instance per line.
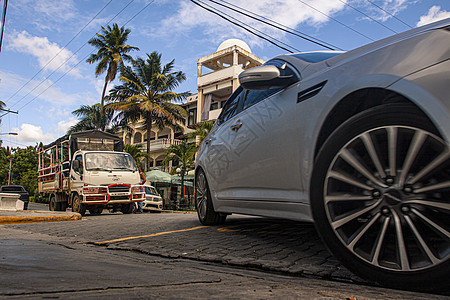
x=159 y=144
x=218 y=76
x=214 y=114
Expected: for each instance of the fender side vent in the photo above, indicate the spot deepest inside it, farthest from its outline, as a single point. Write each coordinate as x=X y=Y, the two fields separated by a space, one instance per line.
x=310 y=92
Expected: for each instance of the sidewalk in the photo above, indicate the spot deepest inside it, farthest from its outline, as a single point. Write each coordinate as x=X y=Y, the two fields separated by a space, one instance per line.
x=36 y=216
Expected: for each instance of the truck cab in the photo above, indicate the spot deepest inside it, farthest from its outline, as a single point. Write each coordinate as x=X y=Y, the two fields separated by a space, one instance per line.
x=88 y=171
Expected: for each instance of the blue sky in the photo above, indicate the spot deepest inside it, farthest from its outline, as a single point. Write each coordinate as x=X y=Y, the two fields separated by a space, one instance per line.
x=37 y=31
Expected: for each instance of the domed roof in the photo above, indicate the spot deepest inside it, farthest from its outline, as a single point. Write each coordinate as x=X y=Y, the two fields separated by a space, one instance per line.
x=234 y=42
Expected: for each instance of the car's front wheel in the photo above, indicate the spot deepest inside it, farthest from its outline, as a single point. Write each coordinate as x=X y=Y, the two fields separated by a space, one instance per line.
x=380 y=198
x=203 y=203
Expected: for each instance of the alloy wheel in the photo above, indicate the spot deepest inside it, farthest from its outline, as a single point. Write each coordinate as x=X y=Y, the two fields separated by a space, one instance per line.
x=386 y=197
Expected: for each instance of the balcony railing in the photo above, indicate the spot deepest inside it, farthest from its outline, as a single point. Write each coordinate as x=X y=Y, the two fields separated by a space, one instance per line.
x=217 y=76
x=159 y=144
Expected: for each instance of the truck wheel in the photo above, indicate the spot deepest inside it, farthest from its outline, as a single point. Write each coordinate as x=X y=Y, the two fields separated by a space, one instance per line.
x=52 y=203
x=127 y=208
x=63 y=206
x=95 y=210
x=77 y=206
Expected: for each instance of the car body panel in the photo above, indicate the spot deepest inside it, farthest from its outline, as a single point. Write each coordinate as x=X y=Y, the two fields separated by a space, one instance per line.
x=153 y=201
x=244 y=169
x=17 y=189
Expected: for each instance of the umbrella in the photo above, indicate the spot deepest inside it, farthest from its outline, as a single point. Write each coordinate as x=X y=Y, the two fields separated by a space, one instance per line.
x=156 y=176
x=176 y=179
x=190 y=175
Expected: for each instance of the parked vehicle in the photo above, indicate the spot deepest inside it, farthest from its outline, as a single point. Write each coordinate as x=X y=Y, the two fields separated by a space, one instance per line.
x=356 y=142
x=17 y=189
x=153 y=201
x=88 y=171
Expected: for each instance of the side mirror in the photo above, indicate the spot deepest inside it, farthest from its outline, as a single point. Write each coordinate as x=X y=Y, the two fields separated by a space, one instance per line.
x=264 y=78
x=76 y=165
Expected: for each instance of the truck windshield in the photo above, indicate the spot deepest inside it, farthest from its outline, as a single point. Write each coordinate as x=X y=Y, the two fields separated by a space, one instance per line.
x=98 y=161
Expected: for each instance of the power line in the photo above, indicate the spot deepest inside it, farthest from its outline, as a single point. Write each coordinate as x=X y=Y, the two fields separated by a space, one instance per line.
x=56 y=56
x=86 y=55
x=241 y=26
x=73 y=54
x=139 y=12
x=389 y=14
x=364 y=14
x=255 y=29
x=310 y=39
x=35 y=97
x=336 y=21
x=14 y=142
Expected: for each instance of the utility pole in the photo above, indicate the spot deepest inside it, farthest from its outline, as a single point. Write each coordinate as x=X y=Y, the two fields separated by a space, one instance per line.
x=9 y=173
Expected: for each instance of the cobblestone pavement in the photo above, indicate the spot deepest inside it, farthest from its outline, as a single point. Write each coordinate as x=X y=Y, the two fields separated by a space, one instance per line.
x=261 y=243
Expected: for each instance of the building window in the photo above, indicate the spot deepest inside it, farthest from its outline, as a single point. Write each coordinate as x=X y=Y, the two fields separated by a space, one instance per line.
x=192 y=119
x=138 y=138
x=214 y=105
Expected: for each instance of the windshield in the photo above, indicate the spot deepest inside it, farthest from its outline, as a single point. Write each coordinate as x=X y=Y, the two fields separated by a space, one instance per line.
x=151 y=191
x=99 y=161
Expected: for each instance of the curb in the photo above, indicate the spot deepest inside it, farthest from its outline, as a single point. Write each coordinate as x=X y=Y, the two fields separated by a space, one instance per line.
x=12 y=220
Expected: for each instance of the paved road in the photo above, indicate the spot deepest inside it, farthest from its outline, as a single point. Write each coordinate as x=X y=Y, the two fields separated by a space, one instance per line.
x=262 y=244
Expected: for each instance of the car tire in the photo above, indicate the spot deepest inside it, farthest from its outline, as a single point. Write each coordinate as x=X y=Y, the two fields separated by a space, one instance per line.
x=77 y=206
x=380 y=198
x=203 y=203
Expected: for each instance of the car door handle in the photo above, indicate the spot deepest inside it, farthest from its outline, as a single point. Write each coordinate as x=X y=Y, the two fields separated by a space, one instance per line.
x=208 y=140
x=236 y=126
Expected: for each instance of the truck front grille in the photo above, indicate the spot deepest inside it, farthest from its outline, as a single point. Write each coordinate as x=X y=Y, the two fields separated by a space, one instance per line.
x=119 y=189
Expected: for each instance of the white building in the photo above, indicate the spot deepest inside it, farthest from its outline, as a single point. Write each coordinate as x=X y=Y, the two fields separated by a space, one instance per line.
x=217 y=78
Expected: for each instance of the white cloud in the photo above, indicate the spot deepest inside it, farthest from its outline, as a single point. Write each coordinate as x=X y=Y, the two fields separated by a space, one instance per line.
x=64 y=125
x=290 y=13
x=49 y=55
x=33 y=134
x=47 y=15
x=44 y=91
x=434 y=14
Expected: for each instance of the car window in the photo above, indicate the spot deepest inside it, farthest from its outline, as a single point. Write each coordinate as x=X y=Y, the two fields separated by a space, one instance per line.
x=12 y=189
x=255 y=96
x=232 y=106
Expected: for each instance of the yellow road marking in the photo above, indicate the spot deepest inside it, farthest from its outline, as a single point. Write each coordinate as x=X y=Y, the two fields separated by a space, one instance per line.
x=148 y=235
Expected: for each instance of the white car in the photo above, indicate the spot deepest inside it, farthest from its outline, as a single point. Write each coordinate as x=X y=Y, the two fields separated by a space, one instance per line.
x=356 y=142
x=153 y=201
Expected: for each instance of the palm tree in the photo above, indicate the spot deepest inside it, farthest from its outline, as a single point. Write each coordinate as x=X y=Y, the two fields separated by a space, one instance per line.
x=183 y=154
x=91 y=117
x=112 y=51
x=136 y=152
x=147 y=95
x=202 y=130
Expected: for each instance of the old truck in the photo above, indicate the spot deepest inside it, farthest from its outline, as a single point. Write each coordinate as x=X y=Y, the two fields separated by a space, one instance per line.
x=88 y=171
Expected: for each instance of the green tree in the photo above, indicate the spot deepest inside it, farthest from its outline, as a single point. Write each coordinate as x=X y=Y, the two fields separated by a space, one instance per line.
x=5 y=155
x=91 y=116
x=182 y=154
x=23 y=167
x=136 y=152
x=112 y=51
x=202 y=130
x=147 y=95
x=2 y=105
